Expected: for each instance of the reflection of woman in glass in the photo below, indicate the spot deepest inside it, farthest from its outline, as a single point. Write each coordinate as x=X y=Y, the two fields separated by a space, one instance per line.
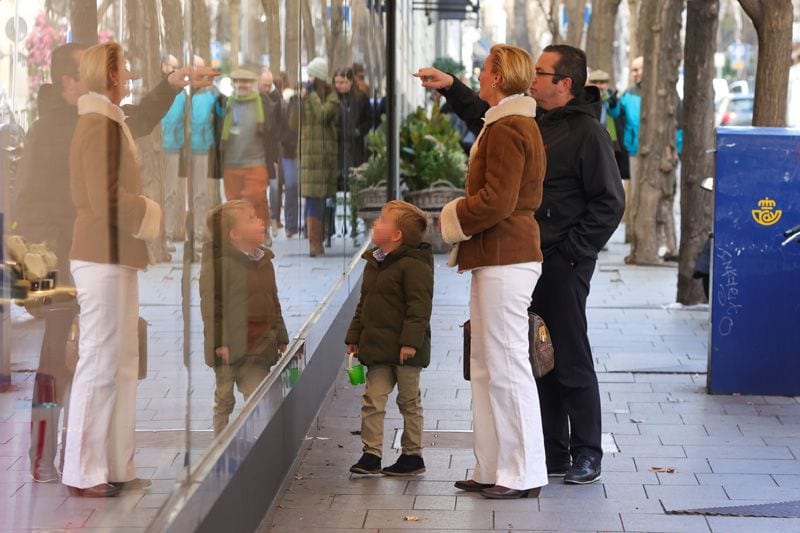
x=355 y=121
x=318 y=151
x=112 y=224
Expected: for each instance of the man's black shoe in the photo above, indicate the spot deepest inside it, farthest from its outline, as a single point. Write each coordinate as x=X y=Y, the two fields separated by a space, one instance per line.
x=368 y=464
x=559 y=470
x=406 y=465
x=584 y=471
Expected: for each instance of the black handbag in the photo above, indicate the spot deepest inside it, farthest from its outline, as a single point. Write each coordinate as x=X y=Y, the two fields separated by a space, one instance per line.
x=541 y=353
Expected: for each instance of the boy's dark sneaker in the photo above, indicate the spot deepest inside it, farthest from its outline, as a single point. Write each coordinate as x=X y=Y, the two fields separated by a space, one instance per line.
x=368 y=464
x=406 y=465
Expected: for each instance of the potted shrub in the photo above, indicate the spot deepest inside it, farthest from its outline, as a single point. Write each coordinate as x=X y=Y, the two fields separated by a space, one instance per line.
x=433 y=165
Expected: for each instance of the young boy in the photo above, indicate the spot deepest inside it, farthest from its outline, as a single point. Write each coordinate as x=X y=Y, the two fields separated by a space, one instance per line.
x=242 y=319
x=391 y=334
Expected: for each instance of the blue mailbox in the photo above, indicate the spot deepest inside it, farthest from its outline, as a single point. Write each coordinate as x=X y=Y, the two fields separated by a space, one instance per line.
x=755 y=281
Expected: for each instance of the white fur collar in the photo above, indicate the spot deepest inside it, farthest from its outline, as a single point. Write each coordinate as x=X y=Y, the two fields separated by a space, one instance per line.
x=98 y=103
x=523 y=105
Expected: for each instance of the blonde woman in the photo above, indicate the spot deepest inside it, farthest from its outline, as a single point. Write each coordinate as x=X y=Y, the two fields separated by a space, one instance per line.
x=113 y=223
x=499 y=244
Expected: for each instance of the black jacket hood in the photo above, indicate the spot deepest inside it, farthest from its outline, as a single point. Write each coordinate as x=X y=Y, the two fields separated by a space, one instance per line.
x=49 y=101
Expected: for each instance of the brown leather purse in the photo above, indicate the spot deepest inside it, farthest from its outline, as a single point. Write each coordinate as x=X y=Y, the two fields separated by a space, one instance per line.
x=541 y=353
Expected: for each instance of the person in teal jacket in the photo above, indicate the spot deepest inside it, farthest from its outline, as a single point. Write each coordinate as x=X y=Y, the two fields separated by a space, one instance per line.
x=202 y=141
x=628 y=107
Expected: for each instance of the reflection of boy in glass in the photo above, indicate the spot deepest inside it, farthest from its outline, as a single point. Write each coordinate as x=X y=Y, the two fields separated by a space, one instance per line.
x=245 y=173
x=391 y=334
x=242 y=318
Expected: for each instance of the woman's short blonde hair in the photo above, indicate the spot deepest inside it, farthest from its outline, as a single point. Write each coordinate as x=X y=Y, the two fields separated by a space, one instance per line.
x=515 y=67
x=98 y=63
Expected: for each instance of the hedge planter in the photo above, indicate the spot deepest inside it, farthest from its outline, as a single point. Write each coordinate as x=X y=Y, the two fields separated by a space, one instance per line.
x=431 y=200
x=369 y=202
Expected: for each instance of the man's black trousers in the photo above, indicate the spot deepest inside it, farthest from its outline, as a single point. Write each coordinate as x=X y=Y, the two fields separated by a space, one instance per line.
x=569 y=395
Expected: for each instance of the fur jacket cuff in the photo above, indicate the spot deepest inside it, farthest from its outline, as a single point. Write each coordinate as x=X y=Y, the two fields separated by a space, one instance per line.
x=150 y=227
x=451 y=227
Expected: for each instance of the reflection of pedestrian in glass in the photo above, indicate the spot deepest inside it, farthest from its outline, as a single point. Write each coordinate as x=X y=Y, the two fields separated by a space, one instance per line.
x=244 y=328
x=44 y=212
x=355 y=121
x=290 y=135
x=245 y=175
x=272 y=101
x=112 y=224
x=391 y=334
x=202 y=140
x=318 y=151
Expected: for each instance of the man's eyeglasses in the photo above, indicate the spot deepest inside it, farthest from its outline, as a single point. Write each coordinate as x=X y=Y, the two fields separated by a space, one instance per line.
x=556 y=76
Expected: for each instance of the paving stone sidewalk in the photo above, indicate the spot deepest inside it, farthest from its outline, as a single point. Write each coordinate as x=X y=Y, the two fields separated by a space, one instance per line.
x=650 y=355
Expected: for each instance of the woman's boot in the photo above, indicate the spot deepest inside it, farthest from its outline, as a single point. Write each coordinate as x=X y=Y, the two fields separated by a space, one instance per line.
x=315 y=247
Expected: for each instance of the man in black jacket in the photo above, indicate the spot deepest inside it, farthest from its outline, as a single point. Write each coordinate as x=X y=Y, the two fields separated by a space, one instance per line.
x=582 y=205
x=43 y=211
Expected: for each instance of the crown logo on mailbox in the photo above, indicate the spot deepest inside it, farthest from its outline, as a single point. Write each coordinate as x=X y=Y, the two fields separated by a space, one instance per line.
x=767 y=204
x=766 y=214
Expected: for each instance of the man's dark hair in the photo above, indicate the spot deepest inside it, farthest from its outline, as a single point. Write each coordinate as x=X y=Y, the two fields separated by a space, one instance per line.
x=63 y=63
x=571 y=64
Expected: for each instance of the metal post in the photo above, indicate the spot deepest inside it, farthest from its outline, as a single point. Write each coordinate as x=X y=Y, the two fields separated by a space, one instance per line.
x=188 y=246
x=392 y=122
x=120 y=36
x=5 y=291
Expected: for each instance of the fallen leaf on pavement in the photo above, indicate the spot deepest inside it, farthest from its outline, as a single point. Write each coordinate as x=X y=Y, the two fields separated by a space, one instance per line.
x=662 y=469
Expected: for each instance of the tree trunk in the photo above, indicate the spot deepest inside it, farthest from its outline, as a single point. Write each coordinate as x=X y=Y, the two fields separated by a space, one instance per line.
x=293 y=42
x=335 y=36
x=657 y=153
x=600 y=38
x=773 y=22
x=339 y=56
x=359 y=31
x=309 y=35
x=272 y=9
x=83 y=19
x=145 y=39
x=698 y=115
x=633 y=30
x=575 y=21
x=521 y=35
x=201 y=30
x=235 y=10
x=172 y=13
x=103 y=9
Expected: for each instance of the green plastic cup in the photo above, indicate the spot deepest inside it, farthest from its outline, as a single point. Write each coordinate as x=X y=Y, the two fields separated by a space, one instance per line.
x=294 y=375
x=356 y=375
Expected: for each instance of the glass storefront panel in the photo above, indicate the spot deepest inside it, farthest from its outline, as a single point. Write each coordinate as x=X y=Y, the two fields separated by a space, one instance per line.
x=133 y=329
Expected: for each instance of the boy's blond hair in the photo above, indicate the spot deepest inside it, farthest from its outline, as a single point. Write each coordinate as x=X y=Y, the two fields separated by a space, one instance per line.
x=224 y=218
x=412 y=221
